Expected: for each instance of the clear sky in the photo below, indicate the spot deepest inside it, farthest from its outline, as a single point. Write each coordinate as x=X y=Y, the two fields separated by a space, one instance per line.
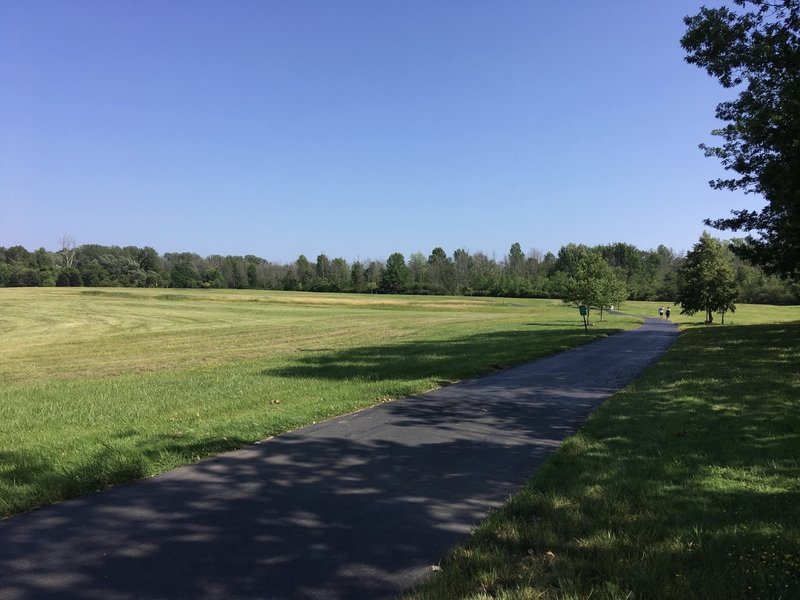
x=353 y=128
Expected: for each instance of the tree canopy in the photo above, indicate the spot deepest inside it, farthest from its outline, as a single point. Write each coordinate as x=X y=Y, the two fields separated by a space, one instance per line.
x=396 y=276
x=754 y=47
x=593 y=282
x=647 y=274
x=706 y=280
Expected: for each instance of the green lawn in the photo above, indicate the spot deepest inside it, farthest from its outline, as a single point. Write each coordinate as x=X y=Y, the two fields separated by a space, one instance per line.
x=685 y=485
x=745 y=314
x=102 y=386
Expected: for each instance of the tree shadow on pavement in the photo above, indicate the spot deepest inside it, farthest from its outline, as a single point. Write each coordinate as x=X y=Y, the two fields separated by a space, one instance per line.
x=290 y=518
x=358 y=506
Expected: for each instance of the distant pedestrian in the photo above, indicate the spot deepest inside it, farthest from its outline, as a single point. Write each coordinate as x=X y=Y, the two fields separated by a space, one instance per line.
x=668 y=312
x=660 y=312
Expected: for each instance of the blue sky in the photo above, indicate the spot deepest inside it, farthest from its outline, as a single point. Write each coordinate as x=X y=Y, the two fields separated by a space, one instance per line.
x=353 y=128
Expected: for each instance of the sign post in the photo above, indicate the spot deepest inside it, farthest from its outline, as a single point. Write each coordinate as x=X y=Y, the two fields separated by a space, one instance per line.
x=584 y=313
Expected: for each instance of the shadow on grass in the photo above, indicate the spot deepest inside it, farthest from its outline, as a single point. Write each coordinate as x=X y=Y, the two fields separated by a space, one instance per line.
x=400 y=365
x=325 y=511
x=442 y=360
x=110 y=464
x=685 y=486
x=291 y=518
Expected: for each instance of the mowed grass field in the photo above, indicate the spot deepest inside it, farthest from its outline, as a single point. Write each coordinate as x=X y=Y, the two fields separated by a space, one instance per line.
x=684 y=485
x=100 y=386
x=745 y=314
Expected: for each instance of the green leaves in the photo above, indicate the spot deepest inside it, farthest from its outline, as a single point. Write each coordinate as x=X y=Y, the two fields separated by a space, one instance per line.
x=706 y=281
x=396 y=275
x=757 y=51
x=593 y=282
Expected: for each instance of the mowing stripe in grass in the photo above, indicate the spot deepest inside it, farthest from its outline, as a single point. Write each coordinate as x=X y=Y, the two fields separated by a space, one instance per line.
x=100 y=388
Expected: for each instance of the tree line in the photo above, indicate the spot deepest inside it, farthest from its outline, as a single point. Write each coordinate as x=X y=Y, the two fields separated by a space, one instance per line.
x=642 y=274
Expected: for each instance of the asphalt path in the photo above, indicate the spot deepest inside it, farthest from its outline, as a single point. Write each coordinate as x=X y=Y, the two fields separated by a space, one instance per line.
x=357 y=507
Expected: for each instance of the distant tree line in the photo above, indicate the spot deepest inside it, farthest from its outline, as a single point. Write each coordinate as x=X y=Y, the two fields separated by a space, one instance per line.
x=644 y=274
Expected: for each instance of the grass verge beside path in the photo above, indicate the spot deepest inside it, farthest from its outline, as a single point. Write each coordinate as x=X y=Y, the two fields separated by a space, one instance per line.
x=98 y=387
x=685 y=485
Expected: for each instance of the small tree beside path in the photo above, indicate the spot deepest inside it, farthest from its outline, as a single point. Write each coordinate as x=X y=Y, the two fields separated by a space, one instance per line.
x=706 y=281
x=593 y=283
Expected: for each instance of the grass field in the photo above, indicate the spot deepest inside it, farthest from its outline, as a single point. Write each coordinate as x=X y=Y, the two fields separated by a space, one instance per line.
x=100 y=386
x=685 y=485
x=745 y=314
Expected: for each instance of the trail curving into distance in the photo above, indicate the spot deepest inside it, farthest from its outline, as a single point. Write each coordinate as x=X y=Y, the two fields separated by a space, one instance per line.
x=356 y=507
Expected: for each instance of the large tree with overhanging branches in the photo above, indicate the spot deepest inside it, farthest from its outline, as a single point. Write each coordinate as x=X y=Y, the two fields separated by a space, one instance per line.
x=753 y=47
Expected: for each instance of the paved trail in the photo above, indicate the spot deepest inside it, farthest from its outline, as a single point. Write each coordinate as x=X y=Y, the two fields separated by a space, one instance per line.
x=357 y=507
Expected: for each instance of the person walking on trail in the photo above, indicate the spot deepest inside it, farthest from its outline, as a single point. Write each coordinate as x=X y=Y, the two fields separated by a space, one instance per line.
x=668 y=312
x=660 y=312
